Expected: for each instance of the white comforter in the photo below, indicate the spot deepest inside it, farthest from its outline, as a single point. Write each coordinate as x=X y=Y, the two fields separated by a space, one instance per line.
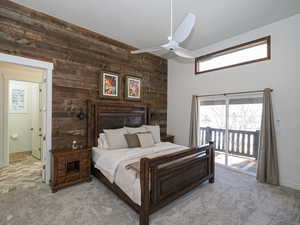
x=112 y=163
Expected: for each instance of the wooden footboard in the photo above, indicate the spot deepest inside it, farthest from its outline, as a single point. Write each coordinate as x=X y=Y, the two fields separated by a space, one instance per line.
x=164 y=179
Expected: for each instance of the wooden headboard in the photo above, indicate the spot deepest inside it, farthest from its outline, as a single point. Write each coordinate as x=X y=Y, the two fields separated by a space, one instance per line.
x=103 y=115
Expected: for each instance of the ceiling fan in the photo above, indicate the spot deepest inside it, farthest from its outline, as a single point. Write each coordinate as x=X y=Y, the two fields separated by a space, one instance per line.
x=181 y=34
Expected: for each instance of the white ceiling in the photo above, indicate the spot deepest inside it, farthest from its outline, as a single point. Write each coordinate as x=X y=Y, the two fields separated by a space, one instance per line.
x=146 y=23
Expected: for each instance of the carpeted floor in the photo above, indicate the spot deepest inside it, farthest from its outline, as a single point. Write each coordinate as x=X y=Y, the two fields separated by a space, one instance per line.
x=235 y=199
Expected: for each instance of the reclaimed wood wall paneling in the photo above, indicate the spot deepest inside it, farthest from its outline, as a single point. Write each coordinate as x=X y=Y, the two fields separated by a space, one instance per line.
x=79 y=55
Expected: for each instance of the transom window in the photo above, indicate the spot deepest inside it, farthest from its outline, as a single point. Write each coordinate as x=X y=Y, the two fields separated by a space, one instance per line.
x=250 y=52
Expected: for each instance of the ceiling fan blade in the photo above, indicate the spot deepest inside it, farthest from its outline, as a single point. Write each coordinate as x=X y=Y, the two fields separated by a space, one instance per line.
x=185 y=28
x=146 y=50
x=184 y=53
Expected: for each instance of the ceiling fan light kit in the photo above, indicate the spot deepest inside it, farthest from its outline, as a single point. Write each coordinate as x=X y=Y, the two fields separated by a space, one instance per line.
x=181 y=34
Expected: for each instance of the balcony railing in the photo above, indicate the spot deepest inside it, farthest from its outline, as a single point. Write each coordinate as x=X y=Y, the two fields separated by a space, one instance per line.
x=243 y=143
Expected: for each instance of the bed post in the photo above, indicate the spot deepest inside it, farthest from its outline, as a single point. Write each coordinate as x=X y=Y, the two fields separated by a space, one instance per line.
x=212 y=162
x=145 y=192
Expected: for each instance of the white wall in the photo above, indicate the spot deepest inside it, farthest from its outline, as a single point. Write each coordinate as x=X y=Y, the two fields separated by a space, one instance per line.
x=280 y=73
x=19 y=124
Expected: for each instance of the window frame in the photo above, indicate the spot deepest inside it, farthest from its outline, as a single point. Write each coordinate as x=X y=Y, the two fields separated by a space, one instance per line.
x=232 y=49
x=18 y=85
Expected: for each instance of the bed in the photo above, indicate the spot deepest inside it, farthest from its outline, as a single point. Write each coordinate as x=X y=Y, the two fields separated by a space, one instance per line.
x=166 y=171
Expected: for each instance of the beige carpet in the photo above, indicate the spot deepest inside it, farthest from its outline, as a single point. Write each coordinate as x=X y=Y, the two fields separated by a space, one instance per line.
x=235 y=199
x=26 y=172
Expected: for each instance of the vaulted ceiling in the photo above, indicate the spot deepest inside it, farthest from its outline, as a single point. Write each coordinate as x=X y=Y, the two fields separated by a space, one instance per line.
x=146 y=23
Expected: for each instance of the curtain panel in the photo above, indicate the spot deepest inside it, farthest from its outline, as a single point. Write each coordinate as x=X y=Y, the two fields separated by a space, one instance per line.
x=267 y=168
x=194 y=124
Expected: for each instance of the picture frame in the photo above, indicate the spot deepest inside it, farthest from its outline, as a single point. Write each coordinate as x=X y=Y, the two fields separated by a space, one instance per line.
x=133 y=88
x=110 y=85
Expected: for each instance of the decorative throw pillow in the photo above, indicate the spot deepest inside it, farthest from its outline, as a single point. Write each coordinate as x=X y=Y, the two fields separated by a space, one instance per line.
x=132 y=140
x=116 y=138
x=146 y=140
x=155 y=131
x=134 y=130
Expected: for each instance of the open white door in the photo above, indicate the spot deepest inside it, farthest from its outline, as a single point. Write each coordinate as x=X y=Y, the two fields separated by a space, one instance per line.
x=43 y=126
x=36 y=122
x=39 y=126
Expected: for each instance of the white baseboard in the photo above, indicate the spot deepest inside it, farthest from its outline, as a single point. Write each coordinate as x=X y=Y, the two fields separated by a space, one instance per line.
x=290 y=185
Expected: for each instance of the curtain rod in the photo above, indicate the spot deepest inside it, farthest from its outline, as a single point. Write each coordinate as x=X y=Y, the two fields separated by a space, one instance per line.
x=232 y=93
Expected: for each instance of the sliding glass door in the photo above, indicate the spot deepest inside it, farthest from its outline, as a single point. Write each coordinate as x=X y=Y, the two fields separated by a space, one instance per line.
x=213 y=125
x=233 y=123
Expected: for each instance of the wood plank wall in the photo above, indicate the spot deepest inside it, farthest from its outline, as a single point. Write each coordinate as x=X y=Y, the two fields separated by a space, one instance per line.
x=79 y=55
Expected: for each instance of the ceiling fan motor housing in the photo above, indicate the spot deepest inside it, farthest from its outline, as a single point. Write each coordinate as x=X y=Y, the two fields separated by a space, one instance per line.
x=171 y=45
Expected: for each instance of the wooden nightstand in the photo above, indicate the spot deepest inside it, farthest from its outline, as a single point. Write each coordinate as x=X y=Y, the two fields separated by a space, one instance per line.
x=70 y=167
x=168 y=138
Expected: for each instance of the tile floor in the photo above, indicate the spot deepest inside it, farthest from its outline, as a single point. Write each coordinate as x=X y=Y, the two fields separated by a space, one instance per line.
x=24 y=172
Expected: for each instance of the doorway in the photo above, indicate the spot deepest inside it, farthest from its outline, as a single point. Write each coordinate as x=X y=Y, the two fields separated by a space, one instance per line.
x=233 y=123
x=24 y=120
x=41 y=127
x=23 y=127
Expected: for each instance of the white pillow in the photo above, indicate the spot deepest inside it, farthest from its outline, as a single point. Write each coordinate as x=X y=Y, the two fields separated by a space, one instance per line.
x=116 y=138
x=134 y=130
x=102 y=141
x=146 y=140
x=155 y=131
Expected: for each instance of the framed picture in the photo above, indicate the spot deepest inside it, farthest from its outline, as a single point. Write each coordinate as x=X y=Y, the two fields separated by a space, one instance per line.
x=110 y=85
x=133 y=88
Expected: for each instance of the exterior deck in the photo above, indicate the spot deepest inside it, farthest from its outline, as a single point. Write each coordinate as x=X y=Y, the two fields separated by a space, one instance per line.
x=242 y=163
x=242 y=147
